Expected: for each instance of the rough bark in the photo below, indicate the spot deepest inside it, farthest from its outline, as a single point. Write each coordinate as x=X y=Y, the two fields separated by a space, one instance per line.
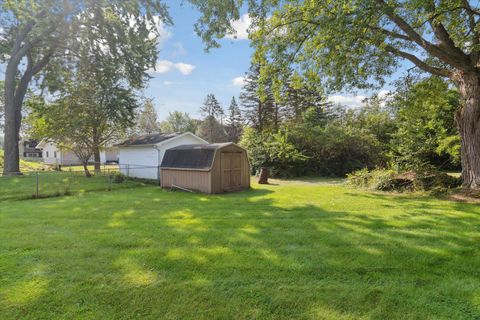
x=11 y=129
x=468 y=122
x=96 y=158
x=87 y=172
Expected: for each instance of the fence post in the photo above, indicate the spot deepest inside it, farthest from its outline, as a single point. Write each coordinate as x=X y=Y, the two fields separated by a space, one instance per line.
x=36 y=172
x=128 y=170
x=158 y=175
x=109 y=182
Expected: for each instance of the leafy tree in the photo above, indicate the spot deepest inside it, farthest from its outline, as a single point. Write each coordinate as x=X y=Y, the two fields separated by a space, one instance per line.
x=427 y=134
x=147 y=122
x=97 y=103
x=179 y=122
x=366 y=40
x=274 y=150
x=234 y=122
x=47 y=36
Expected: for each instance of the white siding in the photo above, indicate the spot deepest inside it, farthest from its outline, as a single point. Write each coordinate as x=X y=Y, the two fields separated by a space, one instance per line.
x=143 y=161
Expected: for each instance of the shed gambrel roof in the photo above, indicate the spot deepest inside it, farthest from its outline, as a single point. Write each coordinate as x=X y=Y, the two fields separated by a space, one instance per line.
x=192 y=156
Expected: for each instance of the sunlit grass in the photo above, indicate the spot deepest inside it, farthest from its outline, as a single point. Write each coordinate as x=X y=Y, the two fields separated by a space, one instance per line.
x=291 y=250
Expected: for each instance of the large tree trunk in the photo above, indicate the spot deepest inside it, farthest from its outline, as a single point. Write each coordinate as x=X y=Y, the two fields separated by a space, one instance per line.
x=468 y=121
x=12 y=124
x=96 y=159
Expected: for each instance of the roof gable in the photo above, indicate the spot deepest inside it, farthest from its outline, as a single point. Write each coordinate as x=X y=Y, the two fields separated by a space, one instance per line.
x=155 y=139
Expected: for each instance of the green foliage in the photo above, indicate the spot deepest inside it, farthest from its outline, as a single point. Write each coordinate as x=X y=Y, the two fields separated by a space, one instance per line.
x=211 y=130
x=274 y=151
x=177 y=121
x=234 y=122
x=147 y=120
x=427 y=134
x=391 y=180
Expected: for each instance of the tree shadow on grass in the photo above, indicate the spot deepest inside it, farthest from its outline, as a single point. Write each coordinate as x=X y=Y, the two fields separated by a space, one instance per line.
x=243 y=256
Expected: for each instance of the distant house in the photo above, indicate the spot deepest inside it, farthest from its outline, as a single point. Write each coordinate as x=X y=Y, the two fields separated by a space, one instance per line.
x=53 y=155
x=141 y=156
x=28 y=150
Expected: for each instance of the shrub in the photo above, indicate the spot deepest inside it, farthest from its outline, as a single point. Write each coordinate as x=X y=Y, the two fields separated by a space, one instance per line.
x=118 y=178
x=390 y=180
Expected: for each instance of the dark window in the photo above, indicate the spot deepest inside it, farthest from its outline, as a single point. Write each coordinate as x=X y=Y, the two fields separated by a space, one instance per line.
x=47 y=154
x=54 y=154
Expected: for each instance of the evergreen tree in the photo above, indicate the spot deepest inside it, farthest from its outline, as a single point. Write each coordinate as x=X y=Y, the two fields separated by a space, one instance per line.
x=210 y=128
x=257 y=101
x=234 y=122
x=147 y=122
x=211 y=107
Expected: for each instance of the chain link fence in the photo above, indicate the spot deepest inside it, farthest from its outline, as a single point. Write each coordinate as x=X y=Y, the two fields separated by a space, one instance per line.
x=70 y=180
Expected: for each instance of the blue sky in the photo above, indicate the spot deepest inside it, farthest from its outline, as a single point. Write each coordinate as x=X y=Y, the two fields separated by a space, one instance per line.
x=186 y=73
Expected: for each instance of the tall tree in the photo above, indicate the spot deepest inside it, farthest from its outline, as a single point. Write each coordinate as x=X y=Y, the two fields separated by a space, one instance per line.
x=210 y=128
x=179 y=122
x=234 y=122
x=96 y=105
x=356 y=43
x=2 y=102
x=45 y=35
x=256 y=98
x=147 y=122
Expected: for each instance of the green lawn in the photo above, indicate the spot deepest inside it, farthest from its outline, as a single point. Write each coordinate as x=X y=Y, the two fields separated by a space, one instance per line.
x=294 y=250
x=54 y=183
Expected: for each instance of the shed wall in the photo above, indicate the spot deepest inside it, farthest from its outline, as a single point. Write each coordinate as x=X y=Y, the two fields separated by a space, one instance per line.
x=217 y=169
x=191 y=179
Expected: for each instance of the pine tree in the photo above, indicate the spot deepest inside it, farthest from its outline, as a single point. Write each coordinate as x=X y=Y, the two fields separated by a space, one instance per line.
x=234 y=122
x=148 y=119
x=257 y=101
x=211 y=107
x=211 y=129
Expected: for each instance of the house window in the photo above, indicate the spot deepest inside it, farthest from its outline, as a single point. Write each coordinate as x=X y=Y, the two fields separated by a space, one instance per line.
x=46 y=154
x=54 y=154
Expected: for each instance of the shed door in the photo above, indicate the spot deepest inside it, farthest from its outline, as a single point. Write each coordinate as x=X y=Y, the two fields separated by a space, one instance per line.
x=231 y=170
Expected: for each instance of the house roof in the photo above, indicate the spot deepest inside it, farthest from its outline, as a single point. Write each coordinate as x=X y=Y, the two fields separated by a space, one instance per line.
x=148 y=139
x=191 y=156
x=155 y=139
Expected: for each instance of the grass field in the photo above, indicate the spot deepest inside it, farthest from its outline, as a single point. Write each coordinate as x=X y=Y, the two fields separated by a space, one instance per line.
x=294 y=250
x=54 y=183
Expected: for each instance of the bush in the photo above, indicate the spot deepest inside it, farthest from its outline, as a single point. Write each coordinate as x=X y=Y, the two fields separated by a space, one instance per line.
x=390 y=180
x=118 y=178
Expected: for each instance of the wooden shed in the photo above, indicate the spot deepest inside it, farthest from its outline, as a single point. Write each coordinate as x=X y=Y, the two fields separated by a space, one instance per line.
x=208 y=168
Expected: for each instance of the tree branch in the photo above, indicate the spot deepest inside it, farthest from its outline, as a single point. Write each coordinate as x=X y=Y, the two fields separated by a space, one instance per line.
x=418 y=39
x=420 y=63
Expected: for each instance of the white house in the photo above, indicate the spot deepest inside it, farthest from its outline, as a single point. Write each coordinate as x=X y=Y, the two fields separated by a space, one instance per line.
x=55 y=156
x=141 y=156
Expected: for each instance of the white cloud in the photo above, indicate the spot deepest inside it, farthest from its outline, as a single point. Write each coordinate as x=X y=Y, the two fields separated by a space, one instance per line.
x=179 y=49
x=241 y=28
x=349 y=101
x=184 y=68
x=167 y=83
x=164 y=66
x=238 y=81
